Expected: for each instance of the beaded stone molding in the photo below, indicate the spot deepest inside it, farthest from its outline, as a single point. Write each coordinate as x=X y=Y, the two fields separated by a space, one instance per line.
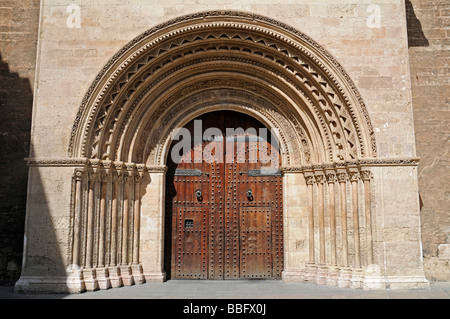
x=222 y=60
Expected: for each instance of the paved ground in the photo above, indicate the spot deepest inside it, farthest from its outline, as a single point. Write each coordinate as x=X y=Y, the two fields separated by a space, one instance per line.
x=241 y=289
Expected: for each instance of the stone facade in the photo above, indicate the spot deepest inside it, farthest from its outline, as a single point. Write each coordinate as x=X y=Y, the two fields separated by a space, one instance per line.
x=357 y=55
x=429 y=38
x=18 y=38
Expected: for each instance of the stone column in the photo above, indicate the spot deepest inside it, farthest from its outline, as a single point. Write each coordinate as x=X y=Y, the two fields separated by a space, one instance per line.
x=136 y=267
x=75 y=281
x=322 y=269
x=77 y=218
x=101 y=270
x=331 y=177
x=333 y=270
x=125 y=268
x=342 y=178
x=368 y=213
x=310 y=183
x=357 y=273
x=320 y=179
x=354 y=175
x=114 y=272
x=89 y=273
x=345 y=271
x=311 y=267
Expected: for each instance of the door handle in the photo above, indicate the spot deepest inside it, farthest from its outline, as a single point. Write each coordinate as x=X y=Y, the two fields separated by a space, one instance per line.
x=249 y=194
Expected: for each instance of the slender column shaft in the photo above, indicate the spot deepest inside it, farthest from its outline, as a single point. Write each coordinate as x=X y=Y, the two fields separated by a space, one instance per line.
x=310 y=183
x=342 y=185
x=77 y=219
x=354 y=182
x=101 y=239
x=137 y=212
x=90 y=224
x=331 y=180
x=126 y=211
x=320 y=180
x=114 y=213
x=368 y=213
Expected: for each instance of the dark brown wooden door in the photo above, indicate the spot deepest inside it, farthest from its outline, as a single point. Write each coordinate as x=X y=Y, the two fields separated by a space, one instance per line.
x=224 y=202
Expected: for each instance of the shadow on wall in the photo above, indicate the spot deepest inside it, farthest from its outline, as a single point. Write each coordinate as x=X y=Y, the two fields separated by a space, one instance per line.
x=43 y=258
x=16 y=101
x=416 y=37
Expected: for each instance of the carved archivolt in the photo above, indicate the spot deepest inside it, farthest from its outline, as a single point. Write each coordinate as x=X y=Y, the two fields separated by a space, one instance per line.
x=222 y=60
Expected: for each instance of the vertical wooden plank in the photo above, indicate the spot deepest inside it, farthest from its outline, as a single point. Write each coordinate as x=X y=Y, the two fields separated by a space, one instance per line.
x=224 y=195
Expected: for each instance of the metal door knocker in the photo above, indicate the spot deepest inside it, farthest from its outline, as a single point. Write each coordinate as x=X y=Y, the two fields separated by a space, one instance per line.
x=198 y=193
x=250 y=194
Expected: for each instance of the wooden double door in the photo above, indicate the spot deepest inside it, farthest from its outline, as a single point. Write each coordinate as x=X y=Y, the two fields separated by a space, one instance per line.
x=224 y=201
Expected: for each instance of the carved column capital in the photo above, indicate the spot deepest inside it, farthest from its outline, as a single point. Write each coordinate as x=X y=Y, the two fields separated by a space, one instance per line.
x=120 y=167
x=104 y=176
x=331 y=177
x=79 y=174
x=130 y=166
x=128 y=178
x=108 y=165
x=353 y=175
x=320 y=177
x=366 y=175
x=310 y=179
x=342 y=177
x=94 y=176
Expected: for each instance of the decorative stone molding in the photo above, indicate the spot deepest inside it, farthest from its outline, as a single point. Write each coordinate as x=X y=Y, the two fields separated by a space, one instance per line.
x=62 y=162
x=211 y=61
x=246 y=45
x=342 y=177
x=105 y=220
x=331 y=177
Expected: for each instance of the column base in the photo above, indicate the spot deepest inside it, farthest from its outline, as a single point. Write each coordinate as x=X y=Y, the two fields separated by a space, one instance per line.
x=138 y=275
x=155 y=276
x=345 y=276
x=38 y=284
x=103 y=278
x=90 y=279
x=321 y=274
x=356 y=281
x=407 y=282
x=333 y=276
x=114 y=276
x=293 y=276
x=126 y=274
x=75 y=280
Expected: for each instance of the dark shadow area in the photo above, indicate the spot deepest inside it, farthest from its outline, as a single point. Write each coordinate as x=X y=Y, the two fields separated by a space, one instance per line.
x=43 y=256
x=16 y=102
x=416 y=37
